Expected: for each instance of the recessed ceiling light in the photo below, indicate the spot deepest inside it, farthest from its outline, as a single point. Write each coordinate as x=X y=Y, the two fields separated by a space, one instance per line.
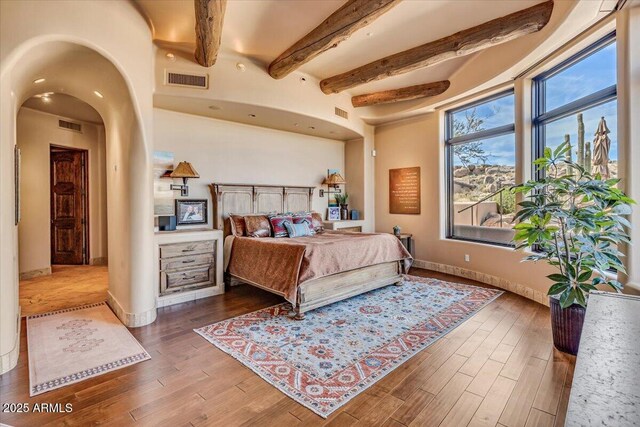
x=240 y=66
x=369 y=34
x=98 y=94
x=252 y=115
x=36 y=81
x=170 y=56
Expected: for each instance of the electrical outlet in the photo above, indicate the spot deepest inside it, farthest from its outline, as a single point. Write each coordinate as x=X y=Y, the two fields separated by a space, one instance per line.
x=467 y=258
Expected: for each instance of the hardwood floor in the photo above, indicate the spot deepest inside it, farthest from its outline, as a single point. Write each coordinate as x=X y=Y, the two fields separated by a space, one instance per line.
x=67 y=286
x=498 y=367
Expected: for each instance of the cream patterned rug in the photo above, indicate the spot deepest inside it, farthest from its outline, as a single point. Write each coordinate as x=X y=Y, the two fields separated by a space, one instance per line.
x=72 y=345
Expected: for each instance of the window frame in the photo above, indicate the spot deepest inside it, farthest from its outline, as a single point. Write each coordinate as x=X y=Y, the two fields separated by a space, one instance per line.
x=541 y=117
x=450 y=141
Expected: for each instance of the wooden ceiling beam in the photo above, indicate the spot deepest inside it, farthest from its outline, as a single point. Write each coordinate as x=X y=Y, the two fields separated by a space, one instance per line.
x=402 y=94
x=462 y=43
x=354 y=15
x=209 y=19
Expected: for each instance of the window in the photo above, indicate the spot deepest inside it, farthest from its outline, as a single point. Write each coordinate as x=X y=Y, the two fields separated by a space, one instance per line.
x=480 y=145
x=572 y=100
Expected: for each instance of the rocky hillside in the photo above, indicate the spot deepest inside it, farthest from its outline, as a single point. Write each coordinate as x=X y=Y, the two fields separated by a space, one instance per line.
x=472 y=183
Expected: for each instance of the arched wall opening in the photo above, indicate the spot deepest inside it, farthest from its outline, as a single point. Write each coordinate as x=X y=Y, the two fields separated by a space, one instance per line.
x=62 y=233
x=80 y=71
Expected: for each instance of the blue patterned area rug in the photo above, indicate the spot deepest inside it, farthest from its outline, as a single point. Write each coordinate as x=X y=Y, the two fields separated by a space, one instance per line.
x=74 y=344
x=340 y=350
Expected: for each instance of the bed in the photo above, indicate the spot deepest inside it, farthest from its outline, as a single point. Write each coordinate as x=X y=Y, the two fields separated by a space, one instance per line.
x=309 y=272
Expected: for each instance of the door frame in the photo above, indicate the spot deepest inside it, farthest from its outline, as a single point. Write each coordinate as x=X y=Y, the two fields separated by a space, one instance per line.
x=85 y=198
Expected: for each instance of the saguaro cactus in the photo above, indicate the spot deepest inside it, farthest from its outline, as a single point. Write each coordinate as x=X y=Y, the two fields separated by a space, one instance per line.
x=581 y=153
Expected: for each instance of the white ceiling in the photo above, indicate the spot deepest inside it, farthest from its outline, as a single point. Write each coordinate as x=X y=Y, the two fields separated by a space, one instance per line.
x=262 y=29
x=254 y=115
x=65 y=106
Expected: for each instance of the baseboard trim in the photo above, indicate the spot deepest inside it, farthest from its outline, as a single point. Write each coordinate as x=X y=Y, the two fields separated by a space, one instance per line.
x=9 y=360
x=35 y=273
x=131 y=320
x=99 y=261
x=478 y=276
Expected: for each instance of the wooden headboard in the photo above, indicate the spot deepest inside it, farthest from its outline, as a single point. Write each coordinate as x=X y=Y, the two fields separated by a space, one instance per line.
x=257 y=199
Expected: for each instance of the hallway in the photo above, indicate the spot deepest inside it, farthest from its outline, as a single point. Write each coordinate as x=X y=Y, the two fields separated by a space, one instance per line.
x=68 y=286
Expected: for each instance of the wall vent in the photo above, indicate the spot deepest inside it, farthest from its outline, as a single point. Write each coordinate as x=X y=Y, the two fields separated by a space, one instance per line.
x=341 y=113
x=200 y=81
x=76 y=127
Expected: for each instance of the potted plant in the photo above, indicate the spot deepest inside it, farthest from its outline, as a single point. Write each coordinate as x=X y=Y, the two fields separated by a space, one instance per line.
x=574 y=221
x=342 y=200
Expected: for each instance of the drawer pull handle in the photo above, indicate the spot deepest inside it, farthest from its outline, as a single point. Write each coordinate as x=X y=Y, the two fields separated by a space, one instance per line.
x=188 y=261
x=189 y=278
x=188 y=250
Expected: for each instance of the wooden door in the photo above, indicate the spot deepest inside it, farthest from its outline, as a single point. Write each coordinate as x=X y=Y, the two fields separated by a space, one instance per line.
x=68 y=207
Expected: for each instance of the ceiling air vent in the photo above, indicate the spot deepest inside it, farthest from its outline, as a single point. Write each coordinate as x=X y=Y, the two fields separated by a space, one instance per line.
x=341 y=113
x=199 y=81
x=76 y=127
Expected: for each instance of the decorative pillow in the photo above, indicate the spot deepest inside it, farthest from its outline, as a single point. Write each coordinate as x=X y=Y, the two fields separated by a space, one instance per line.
x=316 y=220
x=278 y=223
x=257 y=226
x=298 y=230
x=238 y=226
x=305 y=218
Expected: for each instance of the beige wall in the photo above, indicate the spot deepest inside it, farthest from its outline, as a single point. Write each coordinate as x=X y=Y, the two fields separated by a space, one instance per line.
x=229 y=152
x=36 y=131
x=74 y=47
x=418 y=142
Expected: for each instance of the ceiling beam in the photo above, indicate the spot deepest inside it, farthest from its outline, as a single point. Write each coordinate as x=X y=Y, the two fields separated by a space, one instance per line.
x=402 y=94
x=462 y=43
x=354 y=15
x=209 y=19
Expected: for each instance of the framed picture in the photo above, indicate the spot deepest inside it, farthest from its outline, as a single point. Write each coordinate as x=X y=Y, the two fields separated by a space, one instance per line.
x=333 y=213
x=191 y=211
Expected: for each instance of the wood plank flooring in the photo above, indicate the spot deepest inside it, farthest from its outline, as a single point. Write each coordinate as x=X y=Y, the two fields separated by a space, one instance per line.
x=499 y=367
x=67 y=286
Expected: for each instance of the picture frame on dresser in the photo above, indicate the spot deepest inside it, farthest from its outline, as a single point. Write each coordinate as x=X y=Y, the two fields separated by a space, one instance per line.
x=192 y=211
x=333 y=213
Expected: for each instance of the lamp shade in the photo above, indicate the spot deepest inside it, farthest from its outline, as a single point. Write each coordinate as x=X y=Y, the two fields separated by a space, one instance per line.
x=334 y=179
x=184 y=170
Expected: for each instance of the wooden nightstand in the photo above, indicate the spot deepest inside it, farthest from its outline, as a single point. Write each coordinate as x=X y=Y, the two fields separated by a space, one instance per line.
x=189 y=265
x=407 y=241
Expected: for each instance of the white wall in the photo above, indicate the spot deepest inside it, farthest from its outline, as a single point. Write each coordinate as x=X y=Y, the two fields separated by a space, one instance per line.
x=228 y=152
x=36 y=132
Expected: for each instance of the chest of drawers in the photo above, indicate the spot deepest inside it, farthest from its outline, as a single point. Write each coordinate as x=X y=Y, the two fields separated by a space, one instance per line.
x=189 y=265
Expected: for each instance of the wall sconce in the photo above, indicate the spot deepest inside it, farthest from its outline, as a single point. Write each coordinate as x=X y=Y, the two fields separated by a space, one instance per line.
x=184 y=171
x=333 y=181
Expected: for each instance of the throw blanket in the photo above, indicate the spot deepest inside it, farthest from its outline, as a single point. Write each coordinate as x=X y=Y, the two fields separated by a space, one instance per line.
x=281 y=264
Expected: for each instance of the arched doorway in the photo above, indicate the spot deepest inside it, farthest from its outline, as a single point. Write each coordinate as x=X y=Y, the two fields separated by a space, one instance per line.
x=82 y=72
x=62 y=233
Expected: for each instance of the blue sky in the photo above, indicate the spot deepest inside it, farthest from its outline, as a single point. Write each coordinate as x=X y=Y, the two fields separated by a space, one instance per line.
x=593 y=73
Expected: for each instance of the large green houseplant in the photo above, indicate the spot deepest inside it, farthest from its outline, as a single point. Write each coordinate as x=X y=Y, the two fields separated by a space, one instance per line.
x=574 y=221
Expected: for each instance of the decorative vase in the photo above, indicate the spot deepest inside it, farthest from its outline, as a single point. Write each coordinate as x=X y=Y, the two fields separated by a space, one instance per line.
x=344 y=212
x=566 y=326
x=396 y=230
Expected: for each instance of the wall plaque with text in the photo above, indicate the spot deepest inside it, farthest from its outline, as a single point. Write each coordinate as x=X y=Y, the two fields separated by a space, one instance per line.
x=404 y=191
